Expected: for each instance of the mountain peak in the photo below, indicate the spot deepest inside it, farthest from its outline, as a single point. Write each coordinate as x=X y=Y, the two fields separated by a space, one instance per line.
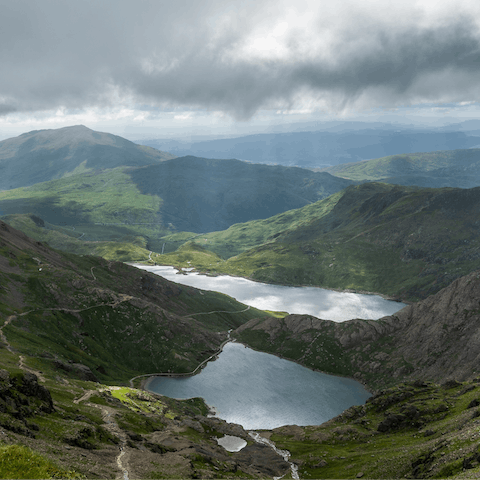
x=42 y=155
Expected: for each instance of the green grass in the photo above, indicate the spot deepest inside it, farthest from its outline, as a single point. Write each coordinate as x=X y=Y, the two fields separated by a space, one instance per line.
x=394 y=165
x=78 y=309
x=105 y=197
x=17 y=461
x=243 y=236
x=430 y=442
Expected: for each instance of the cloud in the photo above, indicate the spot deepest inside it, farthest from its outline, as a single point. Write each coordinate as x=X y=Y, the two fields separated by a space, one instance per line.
x=236 y=56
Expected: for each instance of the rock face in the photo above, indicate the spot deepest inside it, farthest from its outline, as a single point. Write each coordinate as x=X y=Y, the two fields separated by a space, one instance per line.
x=435 y=339
x=22 y=397
x=80 y=371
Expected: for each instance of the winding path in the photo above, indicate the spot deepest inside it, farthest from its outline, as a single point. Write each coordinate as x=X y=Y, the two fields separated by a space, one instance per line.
x=216 y=311
x=111 y=425
x=189 y=374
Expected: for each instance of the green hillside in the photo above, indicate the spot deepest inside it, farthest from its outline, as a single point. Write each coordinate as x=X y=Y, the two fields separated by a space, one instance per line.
x=413 y=430
x=203 y=195
x=405 y=242
x=44 y=155
x=449 y=168
x=243 y=236
x=78 y=310
x=188 y=194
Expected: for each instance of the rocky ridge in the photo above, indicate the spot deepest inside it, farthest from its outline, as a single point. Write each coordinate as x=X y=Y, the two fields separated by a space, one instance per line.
x=436 y=339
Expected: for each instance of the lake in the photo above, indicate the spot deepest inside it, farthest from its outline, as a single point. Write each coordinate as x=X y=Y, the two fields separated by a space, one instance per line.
x=319 y=302
x=258 y=390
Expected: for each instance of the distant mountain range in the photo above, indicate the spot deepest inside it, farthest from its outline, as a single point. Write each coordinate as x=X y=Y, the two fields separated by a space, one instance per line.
x=319 y=149
x=449 y=168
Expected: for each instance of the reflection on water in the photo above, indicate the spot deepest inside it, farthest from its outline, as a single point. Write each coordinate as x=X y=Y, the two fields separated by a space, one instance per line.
x=321 y=303
x=259 y=390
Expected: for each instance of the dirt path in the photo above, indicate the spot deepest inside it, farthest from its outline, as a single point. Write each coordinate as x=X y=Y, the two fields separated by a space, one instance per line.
x=122 y=298
x=108 y=416
x=21 y=358
x=216 y=311
x=2 y=335
x=169 y=374
x=21 y=364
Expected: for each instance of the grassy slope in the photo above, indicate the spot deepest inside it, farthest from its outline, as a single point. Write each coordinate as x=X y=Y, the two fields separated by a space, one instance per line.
x=64 y=310
x=152 y=201
x=456 y=165
x=400 y=241
x=243 y=236
x=433 y=434
x=92 y=197
x=123 y=245
x=111 y=317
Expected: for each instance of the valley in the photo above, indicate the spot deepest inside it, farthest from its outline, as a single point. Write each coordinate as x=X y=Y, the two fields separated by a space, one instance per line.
x=81 y=327
x=404 y=242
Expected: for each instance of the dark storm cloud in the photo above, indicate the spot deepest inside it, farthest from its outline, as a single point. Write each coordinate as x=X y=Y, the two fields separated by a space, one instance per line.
x=189 y=53
x=434 y=64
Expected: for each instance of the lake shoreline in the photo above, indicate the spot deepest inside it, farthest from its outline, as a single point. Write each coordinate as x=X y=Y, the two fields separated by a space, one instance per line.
x=338 y=290
x=176 y=391
x=144 y=383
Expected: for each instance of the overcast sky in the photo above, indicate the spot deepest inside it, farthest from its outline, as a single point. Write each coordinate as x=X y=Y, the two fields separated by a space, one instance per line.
x=206 y=64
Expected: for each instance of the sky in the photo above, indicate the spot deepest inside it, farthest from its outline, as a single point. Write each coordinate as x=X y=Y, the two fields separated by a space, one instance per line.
x=160 y=68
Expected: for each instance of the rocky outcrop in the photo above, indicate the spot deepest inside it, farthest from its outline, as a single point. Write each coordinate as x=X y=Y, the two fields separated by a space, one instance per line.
x=435 y=339
x=21 y=397
x=80 y=371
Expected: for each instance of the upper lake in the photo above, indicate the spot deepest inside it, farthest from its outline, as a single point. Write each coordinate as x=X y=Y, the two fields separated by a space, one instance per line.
x=319 y=302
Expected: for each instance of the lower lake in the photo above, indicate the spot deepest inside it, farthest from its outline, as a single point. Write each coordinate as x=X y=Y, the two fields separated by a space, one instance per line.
x=319 y=302
x=258 y=390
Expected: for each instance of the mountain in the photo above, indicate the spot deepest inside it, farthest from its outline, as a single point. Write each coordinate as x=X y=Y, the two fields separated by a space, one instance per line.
x=184 y=194
x=406 y=242
x=436 y=339
x=44 y=155
x=204 y=195
x=316 y=149
x=71 y=322
x=450 y=168
x=413 y=428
